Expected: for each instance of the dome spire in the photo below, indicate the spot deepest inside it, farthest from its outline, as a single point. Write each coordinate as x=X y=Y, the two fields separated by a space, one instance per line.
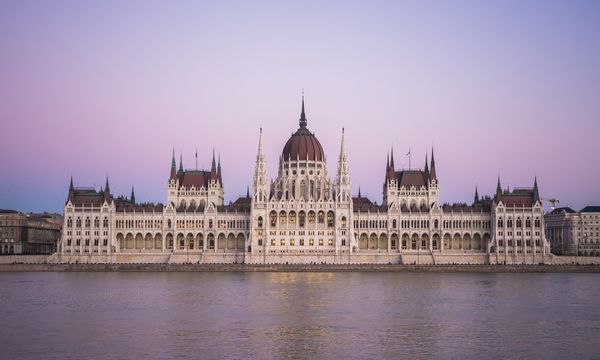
x=302 y=114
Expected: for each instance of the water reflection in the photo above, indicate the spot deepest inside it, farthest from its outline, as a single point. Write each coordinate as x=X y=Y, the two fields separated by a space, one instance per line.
x=299 y=315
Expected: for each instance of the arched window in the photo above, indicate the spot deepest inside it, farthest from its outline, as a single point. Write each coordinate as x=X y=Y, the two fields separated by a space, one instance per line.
x=260 y=222
x=69 y=222
x=394 y=223
x=301 y=218
x=311 y=217
x=436 y=223
x=519 y=222
x=105 y=222
x=282 y=217
x=273 y=218
x=345 y=222
x=500 y=223
x=169 y=223
x=537 y=222
x=321 y=217
x=292 y=217
x=527 y=222
x=87 y=222
x=96 y=222
x=330 y=219
x=509 y=222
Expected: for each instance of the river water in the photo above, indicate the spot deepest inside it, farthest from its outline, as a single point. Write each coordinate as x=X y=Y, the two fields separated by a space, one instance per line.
x=299 y=316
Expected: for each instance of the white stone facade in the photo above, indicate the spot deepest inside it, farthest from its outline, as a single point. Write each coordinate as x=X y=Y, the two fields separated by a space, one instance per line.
x=304 y=216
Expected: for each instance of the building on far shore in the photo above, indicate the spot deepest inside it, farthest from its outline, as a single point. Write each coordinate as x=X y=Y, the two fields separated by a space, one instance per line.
x=573 y=232
x=29 y=233
x=304 y=216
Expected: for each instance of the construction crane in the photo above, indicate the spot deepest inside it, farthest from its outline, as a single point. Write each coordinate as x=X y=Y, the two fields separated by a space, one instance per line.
x=552 y=201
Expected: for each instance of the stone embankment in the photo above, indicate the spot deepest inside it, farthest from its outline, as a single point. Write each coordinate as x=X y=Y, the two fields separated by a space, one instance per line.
x=45 y=267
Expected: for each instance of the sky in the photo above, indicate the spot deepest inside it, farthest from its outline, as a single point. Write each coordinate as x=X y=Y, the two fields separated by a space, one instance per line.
x=497 y=88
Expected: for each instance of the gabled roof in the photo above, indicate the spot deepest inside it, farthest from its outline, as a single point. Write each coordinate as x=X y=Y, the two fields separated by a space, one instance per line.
x=196 y=178
x=590 y=209
x=408 y=178
x=363 y=204
x=517 y=198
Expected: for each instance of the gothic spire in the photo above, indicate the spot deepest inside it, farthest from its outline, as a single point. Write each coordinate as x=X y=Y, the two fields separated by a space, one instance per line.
x=432 y=174
x=359 y=191
x=248 y=191
x=173 y=166
x=498 y=187
x=476 y=197
x=71 y=187
x=426 y=164
x=214 y=164
x=106 y=186
x=303 y=114
x=219 y=170
x=132 y=198
x=536 y=193
x=392 y=159
x=387 y=162
x=180 y=162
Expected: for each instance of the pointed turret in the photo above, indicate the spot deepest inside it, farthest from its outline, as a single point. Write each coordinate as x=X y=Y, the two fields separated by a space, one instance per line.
x=213 y=167
x=536 y=193
x=426 y=164
x=498 y=188
x=476 y=197
x=248 y=191
x=173 y=174
x=387 y=163
x=219 y=171
x=344 y=187
x=392 y=166
x=303 y=114
x=260 y=184
x=71 y=194
x=180 y=163
x=107 y=186
x=132 y=198
x=432 y=174
x=359 y=192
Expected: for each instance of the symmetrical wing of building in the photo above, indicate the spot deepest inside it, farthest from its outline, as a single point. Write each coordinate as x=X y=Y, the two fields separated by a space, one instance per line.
x=304 y=216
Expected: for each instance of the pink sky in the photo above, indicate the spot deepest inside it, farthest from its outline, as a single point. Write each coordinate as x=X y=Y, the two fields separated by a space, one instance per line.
x=498 y=88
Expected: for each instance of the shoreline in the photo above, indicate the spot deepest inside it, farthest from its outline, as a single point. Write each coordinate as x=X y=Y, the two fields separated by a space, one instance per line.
x=570 y=268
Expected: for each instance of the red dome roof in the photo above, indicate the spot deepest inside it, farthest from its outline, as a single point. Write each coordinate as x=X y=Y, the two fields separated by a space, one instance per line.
x=303 y=144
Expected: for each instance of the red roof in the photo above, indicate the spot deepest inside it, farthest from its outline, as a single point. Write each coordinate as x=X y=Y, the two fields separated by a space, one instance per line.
x=303 y=145
x=408 y=178
x=196 y=178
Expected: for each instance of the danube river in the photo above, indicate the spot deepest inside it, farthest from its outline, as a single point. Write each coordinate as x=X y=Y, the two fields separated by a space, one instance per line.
x=299 y=316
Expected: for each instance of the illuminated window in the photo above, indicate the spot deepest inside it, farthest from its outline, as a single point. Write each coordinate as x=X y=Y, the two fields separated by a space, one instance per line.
x=320 y=242
x=292 y=242
x=272 y=242
x=282 y=217
x=330 y=242
x=301 y=242
x=311 y=242
x=311 y=217
x=282 y=242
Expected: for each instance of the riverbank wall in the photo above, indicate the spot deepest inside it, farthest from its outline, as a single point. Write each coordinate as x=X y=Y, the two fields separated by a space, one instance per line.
x=46 y=264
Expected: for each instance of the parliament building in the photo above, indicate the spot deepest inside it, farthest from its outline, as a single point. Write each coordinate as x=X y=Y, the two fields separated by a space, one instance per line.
x=304 y=216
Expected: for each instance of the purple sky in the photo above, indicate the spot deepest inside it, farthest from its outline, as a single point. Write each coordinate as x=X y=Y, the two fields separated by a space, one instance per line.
x=509 y=88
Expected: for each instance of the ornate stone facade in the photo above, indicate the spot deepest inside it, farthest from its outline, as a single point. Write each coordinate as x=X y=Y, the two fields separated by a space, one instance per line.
x=304 y=216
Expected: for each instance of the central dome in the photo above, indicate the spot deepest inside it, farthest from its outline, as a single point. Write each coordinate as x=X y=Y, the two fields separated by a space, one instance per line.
x=303 y=144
